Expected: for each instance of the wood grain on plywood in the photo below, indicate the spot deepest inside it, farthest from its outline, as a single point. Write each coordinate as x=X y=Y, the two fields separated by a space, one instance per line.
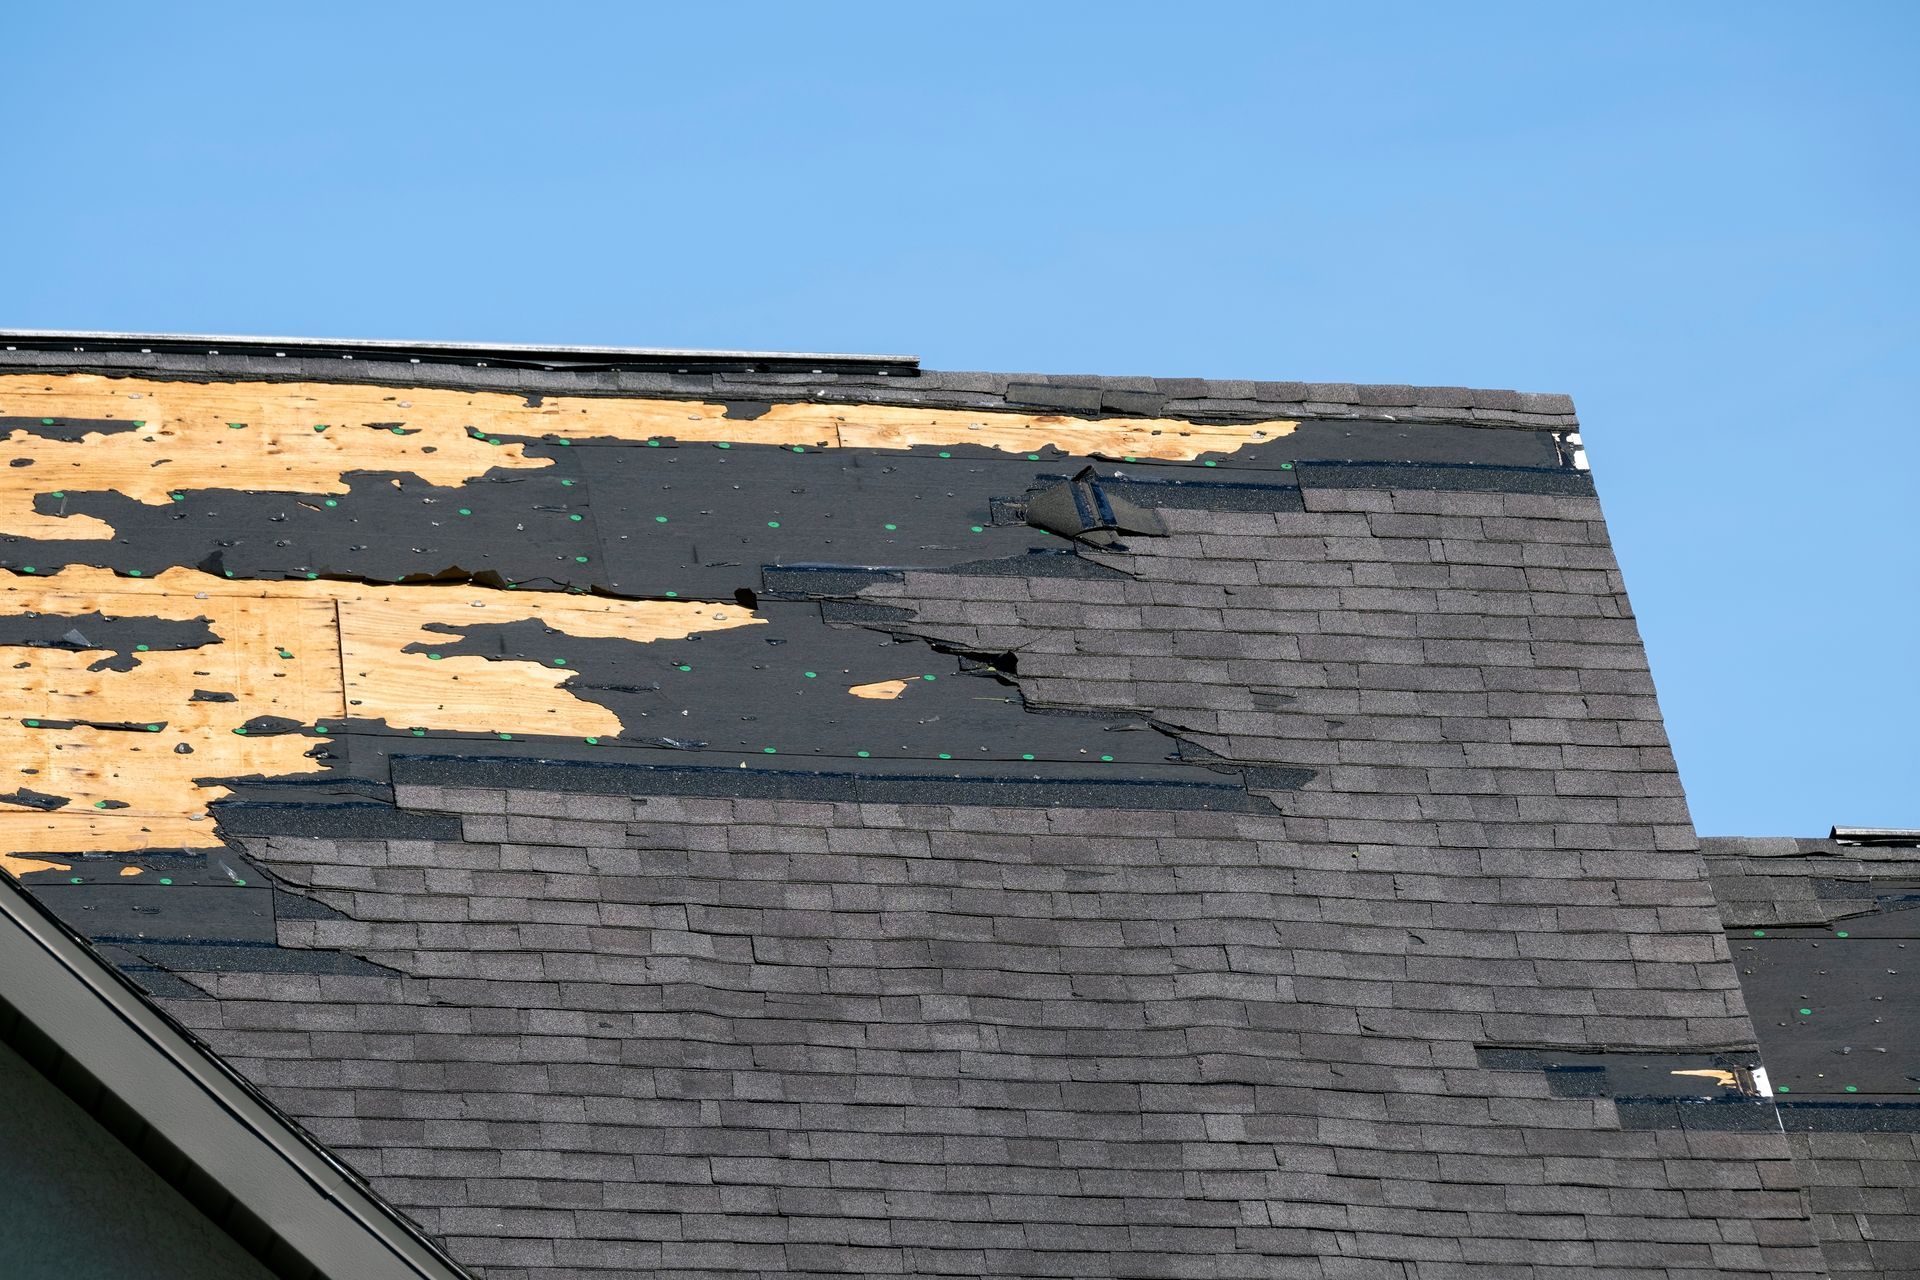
x=389 y=676
x=305 y=652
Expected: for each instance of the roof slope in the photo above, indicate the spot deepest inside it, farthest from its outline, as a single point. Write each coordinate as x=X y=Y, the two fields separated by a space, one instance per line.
x=1823 y=934
x=1086 y=826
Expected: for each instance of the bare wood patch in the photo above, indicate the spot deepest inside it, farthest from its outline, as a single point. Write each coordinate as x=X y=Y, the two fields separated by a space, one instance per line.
x=18 y=865
x=880 y=690
x=310 y=653
x=303 y=437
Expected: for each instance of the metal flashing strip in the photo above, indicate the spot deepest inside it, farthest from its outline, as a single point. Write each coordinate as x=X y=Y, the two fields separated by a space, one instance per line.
x=144 y=1076
x=531 y=355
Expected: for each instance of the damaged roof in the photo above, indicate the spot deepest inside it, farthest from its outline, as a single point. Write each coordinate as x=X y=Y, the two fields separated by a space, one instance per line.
x=695 y=812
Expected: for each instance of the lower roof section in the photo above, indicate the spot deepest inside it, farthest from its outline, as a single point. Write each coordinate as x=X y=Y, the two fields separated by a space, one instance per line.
x=1824 y=934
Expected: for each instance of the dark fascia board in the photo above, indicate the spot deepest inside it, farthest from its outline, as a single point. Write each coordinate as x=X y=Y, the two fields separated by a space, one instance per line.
x=504 y=355
x=140 y=1073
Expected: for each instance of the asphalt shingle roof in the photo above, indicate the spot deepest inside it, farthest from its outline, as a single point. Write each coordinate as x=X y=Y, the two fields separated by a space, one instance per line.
x=1349 y=922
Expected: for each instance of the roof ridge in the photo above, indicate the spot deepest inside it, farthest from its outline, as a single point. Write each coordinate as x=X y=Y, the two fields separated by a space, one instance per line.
x=750 y=375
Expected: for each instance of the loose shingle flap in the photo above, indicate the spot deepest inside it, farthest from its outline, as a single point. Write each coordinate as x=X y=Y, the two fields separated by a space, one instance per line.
x=1081 y=508
x=236 y=1157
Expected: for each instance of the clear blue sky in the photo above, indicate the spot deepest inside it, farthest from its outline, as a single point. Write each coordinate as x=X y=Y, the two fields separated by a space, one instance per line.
x=1700 y=220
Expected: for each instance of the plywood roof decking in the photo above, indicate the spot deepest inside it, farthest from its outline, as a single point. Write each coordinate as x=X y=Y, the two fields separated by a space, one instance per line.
x=306 y=652
x=306 y=437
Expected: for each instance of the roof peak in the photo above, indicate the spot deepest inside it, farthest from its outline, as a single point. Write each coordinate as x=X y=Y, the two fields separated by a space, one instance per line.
x=541 y=355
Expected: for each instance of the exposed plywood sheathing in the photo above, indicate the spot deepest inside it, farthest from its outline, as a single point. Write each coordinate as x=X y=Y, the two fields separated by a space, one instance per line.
x=17 y=865
x=484 y=695
x=306 y=652
x=881 y=690
x=269 y=436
